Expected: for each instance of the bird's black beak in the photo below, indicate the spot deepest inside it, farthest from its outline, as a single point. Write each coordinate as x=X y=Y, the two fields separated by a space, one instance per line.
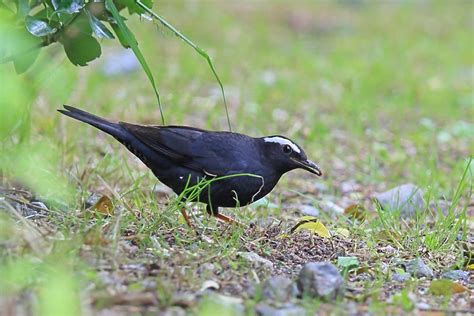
x=309 y=166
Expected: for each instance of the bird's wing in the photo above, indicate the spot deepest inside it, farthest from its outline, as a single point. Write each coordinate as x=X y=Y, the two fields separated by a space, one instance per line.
x=171 y=142
x=186 y=146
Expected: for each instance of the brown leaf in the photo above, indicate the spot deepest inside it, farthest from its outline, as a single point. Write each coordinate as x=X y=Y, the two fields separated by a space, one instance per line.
x=104 y=205
x=355 y=211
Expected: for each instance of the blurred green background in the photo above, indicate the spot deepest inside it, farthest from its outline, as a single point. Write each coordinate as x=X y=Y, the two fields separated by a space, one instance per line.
x=385 y=88
x=379 y=93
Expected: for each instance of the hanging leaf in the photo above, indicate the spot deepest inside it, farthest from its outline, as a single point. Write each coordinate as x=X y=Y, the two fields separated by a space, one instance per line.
x=38 y=27
x=81 y=48
x=313 y=225
x=24 y=47
x=68 y=6
x=23 y=8
x=130 y=39
x=120 y=35
x=446 y=287
x=99 y=29
x=133 y=7
x=198 y=49
x=24 y=61
x=470 y=267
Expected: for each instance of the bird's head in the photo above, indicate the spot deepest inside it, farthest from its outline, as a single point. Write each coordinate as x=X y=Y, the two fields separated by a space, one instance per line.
x=286 y=155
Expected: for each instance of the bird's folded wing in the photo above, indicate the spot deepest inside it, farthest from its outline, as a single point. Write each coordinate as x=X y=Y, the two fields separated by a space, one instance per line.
x=179 y=144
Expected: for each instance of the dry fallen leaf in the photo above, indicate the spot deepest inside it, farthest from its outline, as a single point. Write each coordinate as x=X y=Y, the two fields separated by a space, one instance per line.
x=446 y=287
x=311 y=224
x=355 y=211
x=104 y=205
x=342 y=232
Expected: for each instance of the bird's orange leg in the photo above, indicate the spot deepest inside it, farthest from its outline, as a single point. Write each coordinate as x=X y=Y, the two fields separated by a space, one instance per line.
x=228 y=219
x=186 y=217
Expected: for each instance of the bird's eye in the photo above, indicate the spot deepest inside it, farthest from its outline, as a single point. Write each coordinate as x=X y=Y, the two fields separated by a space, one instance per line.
x=287 y=149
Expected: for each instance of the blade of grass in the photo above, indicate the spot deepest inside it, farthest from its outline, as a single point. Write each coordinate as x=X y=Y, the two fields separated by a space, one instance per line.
x=198 y=49
x=130 y=38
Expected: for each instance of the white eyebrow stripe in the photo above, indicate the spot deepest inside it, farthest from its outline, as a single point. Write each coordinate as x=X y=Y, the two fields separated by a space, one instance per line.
x=282 y=141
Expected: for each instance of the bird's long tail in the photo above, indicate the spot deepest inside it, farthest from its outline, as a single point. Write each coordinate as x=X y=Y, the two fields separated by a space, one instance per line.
x=142 y=151
x=111 y=128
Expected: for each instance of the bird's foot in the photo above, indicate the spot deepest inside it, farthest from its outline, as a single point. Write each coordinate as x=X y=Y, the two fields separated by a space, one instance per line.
x=220 y=217
x=229 y=220
x=187 y=218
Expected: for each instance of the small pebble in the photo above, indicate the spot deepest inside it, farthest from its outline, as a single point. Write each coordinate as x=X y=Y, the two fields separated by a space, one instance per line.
x=417 y=268
x=456 y=275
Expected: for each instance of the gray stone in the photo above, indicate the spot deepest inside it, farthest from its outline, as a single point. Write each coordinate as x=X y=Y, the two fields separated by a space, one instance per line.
x=401 y=277
x=279 y=288
x=308 y=210
x=320 y=279
x=320 y=186
x=206 y=268
x=331 y=207
x=407 y=198
x=263 y=309
x=417 y=268
x=441 y=205
x=423 y=306
x=256 y=260
x=456 y=275
x=349 y=186
x=92 y=200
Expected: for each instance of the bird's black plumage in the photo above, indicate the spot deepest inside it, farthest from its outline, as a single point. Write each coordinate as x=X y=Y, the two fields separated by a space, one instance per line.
x=181 y=156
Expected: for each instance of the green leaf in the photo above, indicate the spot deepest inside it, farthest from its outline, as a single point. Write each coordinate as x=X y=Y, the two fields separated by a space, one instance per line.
x=446 y=288
x=68 y=6
x=99 y=29
x=120 y=35
x=17 y=44
x=81 y=49
x=403 y=299
x=132 y=6
x=311 y=224
x=24 y=61
x=38 y=27
x=132 y=42
x=23 y=8
x=348 y=262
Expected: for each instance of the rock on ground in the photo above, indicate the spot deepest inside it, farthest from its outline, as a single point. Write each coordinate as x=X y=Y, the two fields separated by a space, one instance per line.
x=279 y=289
x=408 y=198
x=320 y=279
x=417 y=268
x=255 y=259
x=401 y=277
x=456 y=275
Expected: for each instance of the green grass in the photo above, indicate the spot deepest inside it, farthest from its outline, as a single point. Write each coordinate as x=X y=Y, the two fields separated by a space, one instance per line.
x=378 y=94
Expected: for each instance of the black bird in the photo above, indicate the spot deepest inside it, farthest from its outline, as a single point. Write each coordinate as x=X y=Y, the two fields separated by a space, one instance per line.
x=181 y=156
